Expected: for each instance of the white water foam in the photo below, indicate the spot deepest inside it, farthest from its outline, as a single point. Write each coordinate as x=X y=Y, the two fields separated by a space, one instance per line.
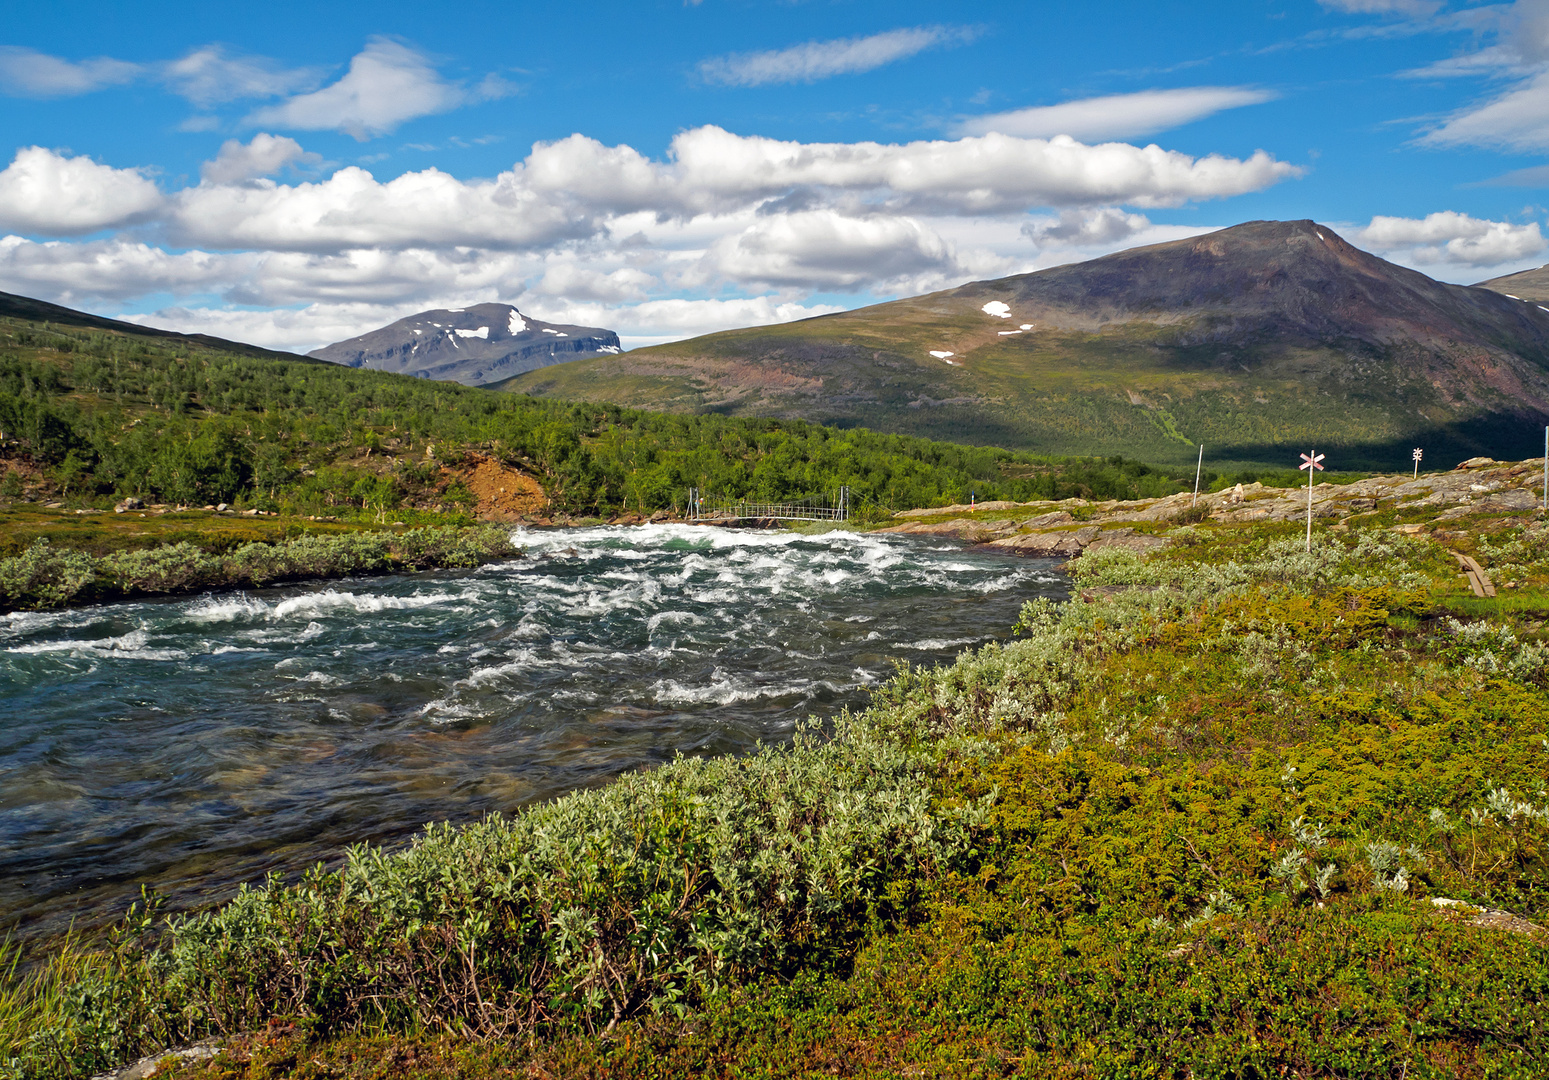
x=935 y=644
x=131 y=646
x=209 y=608
x=332 y=601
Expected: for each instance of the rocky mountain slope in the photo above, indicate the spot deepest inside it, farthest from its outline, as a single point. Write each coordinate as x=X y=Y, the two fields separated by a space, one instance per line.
x=1254 y=340
x=1529 y=285
x=476 y=345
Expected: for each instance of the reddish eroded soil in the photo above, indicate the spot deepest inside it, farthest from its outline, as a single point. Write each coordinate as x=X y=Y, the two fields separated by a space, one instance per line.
x=503 y=493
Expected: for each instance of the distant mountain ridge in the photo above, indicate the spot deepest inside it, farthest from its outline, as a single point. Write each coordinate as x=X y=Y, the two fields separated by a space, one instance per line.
x=1526 y=285
x=475 y=345
x=25 y=307
x=1253 y=340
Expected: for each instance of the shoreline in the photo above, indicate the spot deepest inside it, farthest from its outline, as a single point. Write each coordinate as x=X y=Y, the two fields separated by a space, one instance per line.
x=49 y=578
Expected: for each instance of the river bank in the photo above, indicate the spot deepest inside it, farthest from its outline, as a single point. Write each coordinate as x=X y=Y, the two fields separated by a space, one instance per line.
x=193 y=744
x=1237 y=809
x=45 y=577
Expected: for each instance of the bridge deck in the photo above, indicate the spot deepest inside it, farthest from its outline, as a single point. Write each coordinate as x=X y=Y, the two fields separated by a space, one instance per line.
x=701 y=509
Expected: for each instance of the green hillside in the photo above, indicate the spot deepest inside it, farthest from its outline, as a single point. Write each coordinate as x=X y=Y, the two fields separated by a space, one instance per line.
x=90 y=414
x=1257 y=341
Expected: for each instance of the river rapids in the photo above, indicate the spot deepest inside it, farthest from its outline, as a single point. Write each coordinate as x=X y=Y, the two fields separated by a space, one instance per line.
x=194 y=744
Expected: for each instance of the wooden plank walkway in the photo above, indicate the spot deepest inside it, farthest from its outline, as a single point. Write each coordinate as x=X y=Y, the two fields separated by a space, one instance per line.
x=1478 y=580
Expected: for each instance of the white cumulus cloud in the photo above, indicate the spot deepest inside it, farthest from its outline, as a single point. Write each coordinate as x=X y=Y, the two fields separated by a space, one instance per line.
x=115 y=270
x=387 y=84
x=816 y=60
x=985 y=174
x=28 y=73
x=263 y=155
x=352 y=209
x=1118 y=116
x=1087 y=228
x=571 y=279
x=829 y=250
x=48 y=193
x=1448 y=237
x=568 y=190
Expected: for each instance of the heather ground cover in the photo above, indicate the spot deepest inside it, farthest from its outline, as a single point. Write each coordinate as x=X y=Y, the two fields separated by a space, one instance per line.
x=1237 y=810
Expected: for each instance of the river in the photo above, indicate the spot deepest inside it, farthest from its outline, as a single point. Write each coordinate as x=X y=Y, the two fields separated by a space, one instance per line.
x=193 y=744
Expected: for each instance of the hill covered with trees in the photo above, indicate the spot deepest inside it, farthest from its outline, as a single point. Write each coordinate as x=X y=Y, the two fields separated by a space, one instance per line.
x=95 y=414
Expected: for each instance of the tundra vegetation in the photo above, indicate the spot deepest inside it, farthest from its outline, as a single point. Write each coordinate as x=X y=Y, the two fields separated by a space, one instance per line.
x=1198 y=821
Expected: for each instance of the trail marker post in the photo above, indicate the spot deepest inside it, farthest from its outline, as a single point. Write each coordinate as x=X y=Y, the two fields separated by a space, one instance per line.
x=1417 y=455
x=1197 y=469
x=1313 y=464
x=1546 y=468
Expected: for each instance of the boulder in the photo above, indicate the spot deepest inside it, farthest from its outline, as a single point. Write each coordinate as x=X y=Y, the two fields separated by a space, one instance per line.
x=131 y=503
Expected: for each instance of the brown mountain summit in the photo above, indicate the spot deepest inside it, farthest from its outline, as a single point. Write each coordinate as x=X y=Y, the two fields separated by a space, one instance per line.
x=1253 y=339
x=1532 y=285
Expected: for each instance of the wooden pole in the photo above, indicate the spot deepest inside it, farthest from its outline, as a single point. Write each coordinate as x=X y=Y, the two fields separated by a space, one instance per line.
x=1309 y=507
x=1197 y=469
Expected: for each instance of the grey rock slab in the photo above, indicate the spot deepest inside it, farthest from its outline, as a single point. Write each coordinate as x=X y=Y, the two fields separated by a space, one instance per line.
x=1499 y=502
x=1128 y=539
x=1044 y=521
x=1046 y=545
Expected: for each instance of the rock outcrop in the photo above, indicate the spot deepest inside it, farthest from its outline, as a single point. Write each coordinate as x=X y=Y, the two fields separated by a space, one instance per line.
x=1065 y=529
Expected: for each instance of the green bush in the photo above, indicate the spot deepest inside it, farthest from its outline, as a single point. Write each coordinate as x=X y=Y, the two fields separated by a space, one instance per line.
x=638 y=898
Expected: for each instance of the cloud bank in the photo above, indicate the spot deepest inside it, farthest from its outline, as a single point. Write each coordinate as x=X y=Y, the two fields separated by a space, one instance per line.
x=583 y=230
x=1450 y=238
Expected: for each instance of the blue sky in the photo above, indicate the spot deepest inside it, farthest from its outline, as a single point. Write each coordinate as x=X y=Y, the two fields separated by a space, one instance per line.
x=293 y=173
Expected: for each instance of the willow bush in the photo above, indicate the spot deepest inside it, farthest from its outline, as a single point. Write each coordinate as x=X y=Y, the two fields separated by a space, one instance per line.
x=1197 y=825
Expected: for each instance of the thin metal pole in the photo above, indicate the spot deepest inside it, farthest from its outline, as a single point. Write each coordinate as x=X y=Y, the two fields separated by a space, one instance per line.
x=1197 y=468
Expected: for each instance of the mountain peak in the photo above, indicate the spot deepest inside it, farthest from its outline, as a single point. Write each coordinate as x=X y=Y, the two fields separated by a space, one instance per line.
x=479 y=344
x=1253 y=339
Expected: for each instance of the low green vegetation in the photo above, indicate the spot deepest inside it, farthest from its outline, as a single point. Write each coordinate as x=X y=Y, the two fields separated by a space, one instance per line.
x=1195 y=822
x=45 y=576
x=88 y=417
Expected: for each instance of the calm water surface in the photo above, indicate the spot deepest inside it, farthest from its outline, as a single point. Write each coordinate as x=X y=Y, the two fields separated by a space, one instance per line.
x=195 y=744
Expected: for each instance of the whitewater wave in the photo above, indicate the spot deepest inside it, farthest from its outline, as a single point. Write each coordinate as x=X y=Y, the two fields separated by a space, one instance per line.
x=333 y=601
x=229 y=608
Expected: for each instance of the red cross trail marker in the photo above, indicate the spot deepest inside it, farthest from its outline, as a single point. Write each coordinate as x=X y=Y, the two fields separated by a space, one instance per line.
x=1312 y=463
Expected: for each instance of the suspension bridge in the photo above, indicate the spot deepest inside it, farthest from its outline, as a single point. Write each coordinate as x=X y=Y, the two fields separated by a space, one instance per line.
x=816 y=508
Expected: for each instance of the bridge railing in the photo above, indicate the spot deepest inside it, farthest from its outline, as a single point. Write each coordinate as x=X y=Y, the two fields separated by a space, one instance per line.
x=817 y=508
